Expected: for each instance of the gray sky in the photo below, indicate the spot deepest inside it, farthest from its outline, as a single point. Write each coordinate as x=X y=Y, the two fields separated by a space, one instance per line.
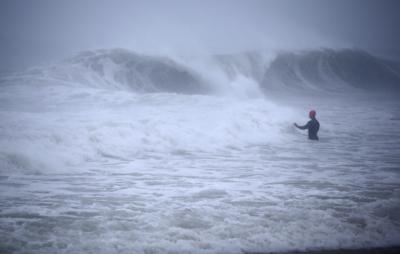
x=35 y=31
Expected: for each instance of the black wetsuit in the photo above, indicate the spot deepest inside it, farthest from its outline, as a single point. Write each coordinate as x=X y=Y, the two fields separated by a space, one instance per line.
x=313 y=127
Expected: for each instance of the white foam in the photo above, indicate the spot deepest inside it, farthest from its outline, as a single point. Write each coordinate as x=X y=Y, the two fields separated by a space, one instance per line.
x=64 y=126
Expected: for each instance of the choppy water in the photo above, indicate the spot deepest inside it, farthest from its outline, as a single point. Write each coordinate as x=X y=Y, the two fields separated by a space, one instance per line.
x=112 y=172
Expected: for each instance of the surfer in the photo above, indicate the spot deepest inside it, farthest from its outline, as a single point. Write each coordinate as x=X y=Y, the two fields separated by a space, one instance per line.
x=312 y=126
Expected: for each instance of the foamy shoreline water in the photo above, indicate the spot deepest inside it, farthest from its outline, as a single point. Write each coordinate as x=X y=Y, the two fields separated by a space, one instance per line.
x=295 y=194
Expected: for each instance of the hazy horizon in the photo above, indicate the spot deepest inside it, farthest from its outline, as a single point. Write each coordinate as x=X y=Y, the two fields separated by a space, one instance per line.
x=37 y=31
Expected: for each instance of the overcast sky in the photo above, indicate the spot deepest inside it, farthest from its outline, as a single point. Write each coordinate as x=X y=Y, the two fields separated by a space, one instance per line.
x=44 y=29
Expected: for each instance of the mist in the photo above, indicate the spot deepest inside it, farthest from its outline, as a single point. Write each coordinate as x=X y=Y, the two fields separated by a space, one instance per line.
x=39 y=31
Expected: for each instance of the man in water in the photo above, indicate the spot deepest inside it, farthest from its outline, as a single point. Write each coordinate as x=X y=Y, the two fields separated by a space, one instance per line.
x=312 y=126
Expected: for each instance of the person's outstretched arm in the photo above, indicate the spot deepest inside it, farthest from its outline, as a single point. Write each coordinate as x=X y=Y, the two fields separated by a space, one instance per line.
x=302 y=127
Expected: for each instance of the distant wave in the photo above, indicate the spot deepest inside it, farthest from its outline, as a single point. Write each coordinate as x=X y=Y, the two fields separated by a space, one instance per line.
x=332 y=70
x=317 y=70
x=123 y=69
x=139 y=72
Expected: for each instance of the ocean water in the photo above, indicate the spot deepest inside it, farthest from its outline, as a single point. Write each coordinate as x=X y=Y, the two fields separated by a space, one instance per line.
x=90 y=165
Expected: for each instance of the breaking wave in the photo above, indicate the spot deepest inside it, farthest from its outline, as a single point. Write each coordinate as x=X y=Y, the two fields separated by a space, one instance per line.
x=332 y=70
x=123 y=70
x=245 y=73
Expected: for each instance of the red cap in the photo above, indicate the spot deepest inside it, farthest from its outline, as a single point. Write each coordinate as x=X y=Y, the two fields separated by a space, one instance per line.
x=312 y=114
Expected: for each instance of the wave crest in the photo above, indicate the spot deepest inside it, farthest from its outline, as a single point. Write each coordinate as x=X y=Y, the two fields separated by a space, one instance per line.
x=332 y=70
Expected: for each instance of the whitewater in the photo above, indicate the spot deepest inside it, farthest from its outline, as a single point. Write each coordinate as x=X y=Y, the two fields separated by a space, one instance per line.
x=111 y=151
